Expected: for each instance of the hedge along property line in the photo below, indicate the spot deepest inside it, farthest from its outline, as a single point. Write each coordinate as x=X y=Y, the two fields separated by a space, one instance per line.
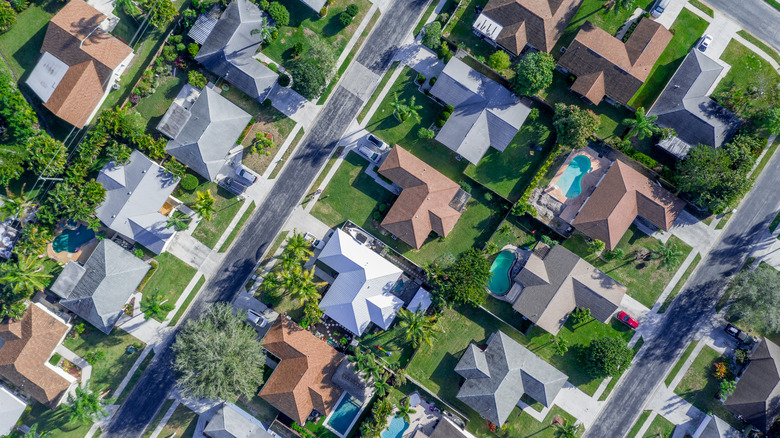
x=287 y=153
x=187 y=301
x=556 y=150
x=155 y=264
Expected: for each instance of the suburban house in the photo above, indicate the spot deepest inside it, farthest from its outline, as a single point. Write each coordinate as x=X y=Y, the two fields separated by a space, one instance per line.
x=497 y=376
x=444 y=429
x=138 y=201
x=623 y=194
x=486 y=114
x=26 y=347
x=685 y=106
x=361 y=293
x=608 y=68
x=203 y=133
x=513 y=24
x=98 y=291
x=713 y=427
x=80 y=64
x=230 y=45
x=428 y=202
x=757 y=396
x=11 y=409
x=302 y=381
x=230 y=421
x=554 y=281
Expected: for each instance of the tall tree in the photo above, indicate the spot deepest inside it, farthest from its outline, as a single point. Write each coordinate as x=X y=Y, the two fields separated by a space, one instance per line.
x=607 y=356
x=86 y=407
x=204 y=204
x=574 y=125
x=15 y=206
x=236 y=370
x=413 y=110
x=533 y=73
x=26 y=276
x=404 y=410
x=432 y=35
x=381 y=387
x=399 y=108
x=417 y=327
x=298 y=247
x=669 y=254
x=642 y=125
x=312 y=71
x=754 y=301
x=465 y=281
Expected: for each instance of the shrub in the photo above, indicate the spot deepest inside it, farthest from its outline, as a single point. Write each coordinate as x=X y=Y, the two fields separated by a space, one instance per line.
x=169 y=53
x=180 y=47
x=189 y=182
x=449 y=108
x=267 y=103
x=274 y=68
x=377 y=215
x=175 y=39
x=432 y=35
x=274 y=34
x=196 y=79
x=440 y=123
x=138 y=252
x=432 y=81
x=420 y=78
x=193 y=49
x=19 y=5
x=297 y=48
x=279 y=14
x=345 y=19
x=353 y=10
x=284 y=80
x=444 y=115
x=264 y=4
x=324 y=11
x=443 y=51
x=499 y=60
x=425 y=133
x=7 y=16
x=443 y=17
x=534 y=114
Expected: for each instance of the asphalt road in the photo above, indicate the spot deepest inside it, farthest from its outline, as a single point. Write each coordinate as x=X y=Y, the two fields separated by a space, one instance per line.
x=755 y=16
x=157 y=382
x=745 y=232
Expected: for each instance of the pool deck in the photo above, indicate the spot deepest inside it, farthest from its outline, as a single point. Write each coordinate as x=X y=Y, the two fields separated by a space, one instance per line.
x=599 y=166
x=424 y=419
x=63 y=257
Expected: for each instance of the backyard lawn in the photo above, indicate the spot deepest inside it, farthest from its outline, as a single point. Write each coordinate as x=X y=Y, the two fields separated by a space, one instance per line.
x=508 y=173
x=111 y=370
x=645 y=280
x=154 y=106
x=392 y=341
x=170 y=279
x=225 y=208
x=55 y=421
x=747 y=71
x=460 y=30
x=21 y=44
x=523 y=425
x=660 y=427
x=687 y=29
x=181 y=424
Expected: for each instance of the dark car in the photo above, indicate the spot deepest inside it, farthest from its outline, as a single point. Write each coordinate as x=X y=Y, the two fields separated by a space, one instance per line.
x=375 y=141
x=738 y=334
x=627 y=320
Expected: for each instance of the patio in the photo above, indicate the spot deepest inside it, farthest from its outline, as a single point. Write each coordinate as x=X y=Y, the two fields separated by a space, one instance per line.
x=425 y=417
x=570 y=206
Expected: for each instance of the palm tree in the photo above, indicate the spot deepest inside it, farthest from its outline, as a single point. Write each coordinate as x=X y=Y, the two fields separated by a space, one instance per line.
x=566 y=429
x=178 y=220
x=642 y=125
x=298 y=283
x=400 y=377
x=412 y=110
x=156 y=306
x=264 y=30
x=26 y=276
x=86 y=407
x=404 y=410
x=13 y=309
x=128 y=6
x=417 y=327
x=204 y=204
x=93 y=224
x=15 y=206
x=32 y=433
x=299 y=247
x=669 y=254
x=399 y=107
x=381 y=387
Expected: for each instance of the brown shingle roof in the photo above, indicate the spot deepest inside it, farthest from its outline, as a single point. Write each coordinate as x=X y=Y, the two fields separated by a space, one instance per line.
x=29 y=343
x=302 y=380
x=91 y=63
x=621 y=196
x=625 y=67
x=424 y=203
x=536 y=22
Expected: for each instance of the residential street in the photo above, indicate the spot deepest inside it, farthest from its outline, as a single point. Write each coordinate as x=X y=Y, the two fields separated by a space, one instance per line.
x=261 y=229
x=755 y=16
x=745 y=233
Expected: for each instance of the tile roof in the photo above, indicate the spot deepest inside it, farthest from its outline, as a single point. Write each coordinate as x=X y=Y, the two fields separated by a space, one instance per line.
x=92 y=54
x=623 y=194
x=539 y=23
x=486 y=114
x=685 y=107
x=624 y=66
x=424 y=205
x=302 y=380
x=514 y=371
x=757 y=395
x=24 y=356
x=553 y=286
x=230 y=421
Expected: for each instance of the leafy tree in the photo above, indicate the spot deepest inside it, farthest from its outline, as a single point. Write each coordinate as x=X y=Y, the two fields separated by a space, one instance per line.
x=15 y=206
x=312 y=71
x=279 y=14
x=404 y=410
x=12 y=305
x=417 y=327
x=755 y=302
x=262 y=143
x=345 y=19
x=560 y=345
x=566 y=429
x=24 y=277
x=400 y=377
x=33 y=241
x=204 y=204
x=128 y=6
x=155 y=306
x=534 y=73
x=86 y=407
x=177 y=169
x=353 y=9
x=197 y=79
x=236 y=370
x=606 y=356
x=574 y=125
x=669 y=254
x=727 y=388
x=465 y=282
x=47 y=156
x=7 y=16
x=118 y=152
x=164 y=13
x=18 y=116
x=432 y=35
x=426 y=134
x=499 y=60
x=596 y=246
x=642 y=125
x=178 y=220
x=772 y=120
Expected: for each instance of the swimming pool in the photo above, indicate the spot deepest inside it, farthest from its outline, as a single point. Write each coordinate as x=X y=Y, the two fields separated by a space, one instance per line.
x=71 y=240
x=396 y=429
x=570 y=181
x=499 y=281
x=344 y=414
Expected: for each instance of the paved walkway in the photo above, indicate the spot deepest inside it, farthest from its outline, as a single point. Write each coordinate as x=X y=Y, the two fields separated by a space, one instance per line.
x=671 y=12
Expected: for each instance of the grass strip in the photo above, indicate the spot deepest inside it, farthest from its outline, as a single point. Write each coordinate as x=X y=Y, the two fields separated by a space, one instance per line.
x=424 y=18
x=321 y=177
x=756 y=42
x=379 y=88
x=157 y=418
x=775 y=223
x=680 y=363
x=187 y=301
x=774 y=4
x=668 y=301
x=639 y=423
x=286 y=155
x=237 y=228
x=702 y=7
x=348 y=59
x=767 y=156
x=134 y=379
x=613 y=382
x=723 y=221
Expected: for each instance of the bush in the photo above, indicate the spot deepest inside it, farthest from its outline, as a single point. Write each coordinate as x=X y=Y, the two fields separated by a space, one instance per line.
x=607 y=356
x=443 y=17
x=499 y=60
x=196 y=79
x=19 y=5
x=443 y=52
x=420 y=78
x=432 y=35
x=267 y=103
x=279 y=14
x=193 y=49
x=324 y=11
x=440 y=123
x=445 y=115
x=138 y=252
x=449 y=108
x=274 y=68
x=345 y=19
x=180 y=47
x=297 y=48
x=264 y=4
x=353 y=10
x=284 y=80
x=274 y=34
x=432 y=81
x=175 y=39
x=7 y=16
x=425 y=133
x=169 y=53
x=189 y=182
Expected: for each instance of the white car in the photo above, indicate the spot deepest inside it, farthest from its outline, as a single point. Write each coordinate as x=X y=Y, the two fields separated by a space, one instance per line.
x=368 y=153
x=255 y=318
x=704 y=43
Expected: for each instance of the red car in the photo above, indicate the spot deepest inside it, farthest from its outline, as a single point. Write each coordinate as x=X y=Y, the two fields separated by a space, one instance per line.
x=627 y=320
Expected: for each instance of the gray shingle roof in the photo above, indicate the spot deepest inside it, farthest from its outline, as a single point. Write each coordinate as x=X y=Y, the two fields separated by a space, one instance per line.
x=757 y=395
x=230 y=421
x=685 y=107
x=208 y=135
x=111 y=276
x=230 y=47
x=315 y=5
x=486 y=114
x=135 y=193
x=514 y=371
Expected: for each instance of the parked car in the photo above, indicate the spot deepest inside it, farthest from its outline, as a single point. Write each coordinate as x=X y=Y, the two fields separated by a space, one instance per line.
x=659 y=8
x=375 y=141
x=256 y=318
x=704 y=43
x=371 y=155
x=247 y=174
x=626 y=319
x=738 y=334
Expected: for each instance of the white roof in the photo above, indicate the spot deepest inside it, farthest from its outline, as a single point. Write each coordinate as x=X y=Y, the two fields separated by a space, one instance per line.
x=361 y=293
x=421 y=301
x=11 y=408
x=46 y=75
x=484 y=25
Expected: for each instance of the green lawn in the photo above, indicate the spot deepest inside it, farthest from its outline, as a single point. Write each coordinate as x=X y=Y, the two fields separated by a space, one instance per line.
x=747 y=70
x=134 y=379
x=304 y=23
x=775 y=223
x=110 y=371
x=127 y=26
x=181 y=424
x=645 y=280
x=154 y=106
x=226 y=206
x=55 y=421
x=238 y=227
x=508 y=173
x=639 y=423
x=758 y=43
x=376 y=92
x=287 y=153
x=321 y=177
x=660 y=427
x=522 y=425
x=187 y=301
x=687 y=29
x=392 y=341
x=170 y=279
x=461 y=30
x=157 y=418
x=21 y=44
x=669 y=298
x=699 y=387
x=702 y=7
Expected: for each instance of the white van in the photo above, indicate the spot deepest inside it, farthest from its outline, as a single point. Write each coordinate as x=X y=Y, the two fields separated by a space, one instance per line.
x=659 y=8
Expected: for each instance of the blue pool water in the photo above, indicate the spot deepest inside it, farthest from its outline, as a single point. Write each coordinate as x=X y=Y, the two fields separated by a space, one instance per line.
x=396 y=429
x=344 y=413
x=570 y=181
x=71 y=240
x=499 y=281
